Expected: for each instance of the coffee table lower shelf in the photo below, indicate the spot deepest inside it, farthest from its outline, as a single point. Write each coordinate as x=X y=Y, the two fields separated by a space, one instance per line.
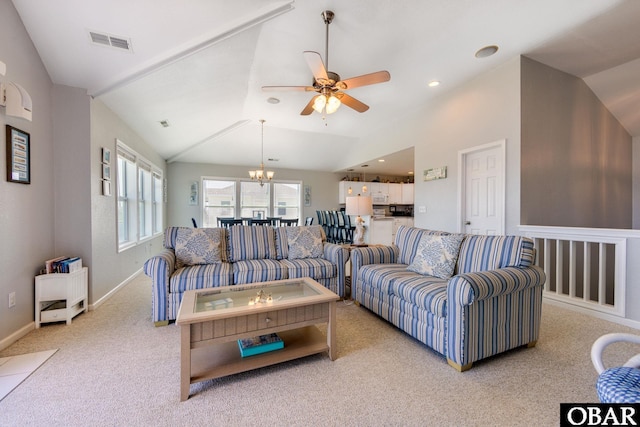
x=224 y=359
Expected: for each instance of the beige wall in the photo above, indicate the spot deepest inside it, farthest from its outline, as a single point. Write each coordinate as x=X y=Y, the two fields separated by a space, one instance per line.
x=26 y=211
x=111 y=268
x=576 y=157
x=483 y=110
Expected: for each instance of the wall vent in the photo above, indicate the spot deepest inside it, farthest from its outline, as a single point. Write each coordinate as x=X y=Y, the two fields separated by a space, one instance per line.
x=116 y=42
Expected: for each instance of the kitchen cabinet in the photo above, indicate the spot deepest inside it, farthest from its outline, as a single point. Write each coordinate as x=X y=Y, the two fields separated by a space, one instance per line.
x=395 y=194
x=397 y=222
x=356 y=188
x=407 y=194
x=380 y=231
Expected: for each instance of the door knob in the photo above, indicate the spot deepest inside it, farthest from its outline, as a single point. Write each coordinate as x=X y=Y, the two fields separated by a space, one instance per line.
x=467 y=223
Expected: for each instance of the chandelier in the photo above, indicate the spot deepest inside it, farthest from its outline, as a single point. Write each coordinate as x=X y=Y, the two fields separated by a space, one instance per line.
x=259 y=174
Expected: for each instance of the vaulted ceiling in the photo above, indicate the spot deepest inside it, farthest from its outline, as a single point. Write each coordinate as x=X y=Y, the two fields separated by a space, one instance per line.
x=200 y=65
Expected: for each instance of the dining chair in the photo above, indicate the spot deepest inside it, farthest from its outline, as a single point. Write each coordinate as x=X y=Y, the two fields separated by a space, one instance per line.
x=259 y=221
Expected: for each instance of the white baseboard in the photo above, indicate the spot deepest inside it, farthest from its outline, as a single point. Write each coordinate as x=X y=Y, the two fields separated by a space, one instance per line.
x=113 y=291
x=605 y=316
x=17 y=335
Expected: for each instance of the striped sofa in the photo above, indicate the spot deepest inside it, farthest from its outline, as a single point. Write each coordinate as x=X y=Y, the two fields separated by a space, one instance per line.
x=491 y=302
x=238 y=255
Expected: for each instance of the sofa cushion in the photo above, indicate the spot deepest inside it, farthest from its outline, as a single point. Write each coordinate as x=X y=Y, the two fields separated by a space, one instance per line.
x=316 y=268
x=305 y=242
x=170 y=234
x=381 y=276
x=437 y=255
x=282 y=245
x=201 y=276
x=482 y=253
x=195 y=246
x=258 y=270
x=427 y=292
x=251 y=242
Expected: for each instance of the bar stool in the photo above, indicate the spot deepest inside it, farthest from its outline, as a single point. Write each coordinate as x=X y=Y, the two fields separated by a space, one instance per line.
x=289 y=222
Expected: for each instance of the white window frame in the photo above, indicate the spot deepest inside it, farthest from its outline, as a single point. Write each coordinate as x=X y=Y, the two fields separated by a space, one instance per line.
x=147 y=195
x=272 y=209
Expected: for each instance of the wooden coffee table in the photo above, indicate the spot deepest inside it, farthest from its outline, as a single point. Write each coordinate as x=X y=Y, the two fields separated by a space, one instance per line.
x=212 y=320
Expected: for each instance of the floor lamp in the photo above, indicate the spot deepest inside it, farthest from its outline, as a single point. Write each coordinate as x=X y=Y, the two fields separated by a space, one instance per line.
x=358 y=206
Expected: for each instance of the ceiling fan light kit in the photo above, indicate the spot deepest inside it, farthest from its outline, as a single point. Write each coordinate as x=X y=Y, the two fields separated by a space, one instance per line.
x=328 y=84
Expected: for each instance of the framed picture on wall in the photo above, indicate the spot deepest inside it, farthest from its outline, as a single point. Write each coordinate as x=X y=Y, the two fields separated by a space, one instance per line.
x=18 y=156
x=106 y=172
x=106 y=156
x=307 y=195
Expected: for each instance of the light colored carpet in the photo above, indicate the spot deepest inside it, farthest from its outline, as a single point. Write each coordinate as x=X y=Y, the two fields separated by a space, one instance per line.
x=15 y=369
x=115 y=368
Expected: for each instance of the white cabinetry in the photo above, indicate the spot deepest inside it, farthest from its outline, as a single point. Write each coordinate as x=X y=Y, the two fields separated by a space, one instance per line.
x=380 y=231
x=407 y=194
x=61 y=296
x=397 y=222
x=395 y=194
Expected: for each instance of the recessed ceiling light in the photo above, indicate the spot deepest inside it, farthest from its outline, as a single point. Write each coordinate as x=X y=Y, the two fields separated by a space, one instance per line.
x=272 y=100
x=364 y=166
x=381 y=160
x=486 y=51
x=434 y=83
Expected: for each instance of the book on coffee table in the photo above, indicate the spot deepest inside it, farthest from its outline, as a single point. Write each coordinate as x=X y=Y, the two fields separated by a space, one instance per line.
x=260 y=344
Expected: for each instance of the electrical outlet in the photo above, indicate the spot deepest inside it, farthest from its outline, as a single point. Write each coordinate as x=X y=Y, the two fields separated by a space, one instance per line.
x=12 y=299
x=422 y=209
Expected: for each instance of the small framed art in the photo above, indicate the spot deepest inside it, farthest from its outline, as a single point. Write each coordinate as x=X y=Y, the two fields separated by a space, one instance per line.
x=106 y=172
x=106 y=156
x=18 y=156
x=106 y=188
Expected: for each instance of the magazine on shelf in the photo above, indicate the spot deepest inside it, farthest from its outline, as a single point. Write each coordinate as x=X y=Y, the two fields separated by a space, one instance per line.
x=261 y=344
x=63 y=265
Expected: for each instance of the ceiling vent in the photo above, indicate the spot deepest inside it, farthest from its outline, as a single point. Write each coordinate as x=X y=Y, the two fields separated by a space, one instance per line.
x=116 y=42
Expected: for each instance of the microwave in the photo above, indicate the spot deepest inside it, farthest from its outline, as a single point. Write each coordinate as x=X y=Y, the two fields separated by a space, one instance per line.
x=380 y=199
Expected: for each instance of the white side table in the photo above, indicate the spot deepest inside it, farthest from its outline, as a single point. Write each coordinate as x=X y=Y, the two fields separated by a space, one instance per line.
x=61 y=296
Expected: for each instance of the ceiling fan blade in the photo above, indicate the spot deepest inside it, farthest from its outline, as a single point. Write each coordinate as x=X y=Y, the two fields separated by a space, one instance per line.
x=350 y=101
x=314 y=60
x=364 y=80
x=288 y=88
x=309 y=108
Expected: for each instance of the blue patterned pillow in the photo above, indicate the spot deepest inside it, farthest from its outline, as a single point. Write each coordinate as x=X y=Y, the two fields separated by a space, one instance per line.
x=436 y=255
x=198 y=246
x=305 y=242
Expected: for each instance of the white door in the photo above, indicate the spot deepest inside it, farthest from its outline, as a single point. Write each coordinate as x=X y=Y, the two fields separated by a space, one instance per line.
x=482 y=193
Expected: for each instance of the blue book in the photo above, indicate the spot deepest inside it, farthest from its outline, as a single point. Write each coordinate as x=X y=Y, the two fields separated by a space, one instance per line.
x=261 y=344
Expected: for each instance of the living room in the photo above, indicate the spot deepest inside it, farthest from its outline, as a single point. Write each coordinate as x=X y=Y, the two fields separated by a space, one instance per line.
x=62 y=211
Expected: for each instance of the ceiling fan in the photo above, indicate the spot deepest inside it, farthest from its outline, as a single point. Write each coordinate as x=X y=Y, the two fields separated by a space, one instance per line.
x=328 y=84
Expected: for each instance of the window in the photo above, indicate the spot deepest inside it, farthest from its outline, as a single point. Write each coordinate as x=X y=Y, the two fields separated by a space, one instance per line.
x=286 y=197
x=230 y=197
x=139 y=185
x=254 y=200
x=219 y=201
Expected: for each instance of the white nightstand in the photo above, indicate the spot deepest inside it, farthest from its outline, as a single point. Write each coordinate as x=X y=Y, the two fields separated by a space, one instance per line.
x=61 y=296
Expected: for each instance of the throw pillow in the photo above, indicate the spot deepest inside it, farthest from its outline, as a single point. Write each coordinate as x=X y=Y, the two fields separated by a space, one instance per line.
x=436 y=255
x=198 y=246
x=305 y=242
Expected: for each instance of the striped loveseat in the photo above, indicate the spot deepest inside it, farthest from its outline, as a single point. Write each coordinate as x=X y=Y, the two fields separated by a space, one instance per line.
x=197 y=258
x=482 y=298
